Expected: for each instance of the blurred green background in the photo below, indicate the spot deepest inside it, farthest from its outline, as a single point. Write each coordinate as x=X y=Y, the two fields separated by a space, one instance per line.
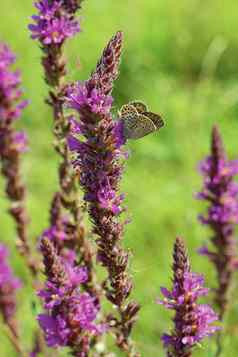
x=181 y=59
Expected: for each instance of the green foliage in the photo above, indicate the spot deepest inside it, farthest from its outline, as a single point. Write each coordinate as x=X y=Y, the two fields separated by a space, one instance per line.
x=181 y=59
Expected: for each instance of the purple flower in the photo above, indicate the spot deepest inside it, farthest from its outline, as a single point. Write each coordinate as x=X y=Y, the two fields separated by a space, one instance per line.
x=6 y=56
x=12 y=144
x=220 y=191
x=84 y=310
x=54 y=24
x=8 y=287
x=20 y=141
x=69 y=312
x=107 y=68
x=55 y=329
x=96 y=141
x=11 y=104
x=62 y=234
x=99 y=186
x=192 y=321
x=80 y=96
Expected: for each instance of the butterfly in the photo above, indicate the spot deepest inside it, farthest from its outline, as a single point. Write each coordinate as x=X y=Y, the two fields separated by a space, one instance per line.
x=138 y=121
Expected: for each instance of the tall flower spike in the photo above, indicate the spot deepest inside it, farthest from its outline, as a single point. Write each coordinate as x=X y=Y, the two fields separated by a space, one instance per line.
x=12 y=144
x=107 y=67
x=192 y=321
x=220 y=191
x=70 y=314
x=99 y=158
x=54 y=24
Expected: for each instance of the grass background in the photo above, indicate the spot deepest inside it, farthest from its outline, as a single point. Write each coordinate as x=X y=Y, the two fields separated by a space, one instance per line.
x=181 y=59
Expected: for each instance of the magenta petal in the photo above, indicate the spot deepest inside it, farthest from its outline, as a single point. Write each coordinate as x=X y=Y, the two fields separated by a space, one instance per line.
x=73 y=143
x=165 y=292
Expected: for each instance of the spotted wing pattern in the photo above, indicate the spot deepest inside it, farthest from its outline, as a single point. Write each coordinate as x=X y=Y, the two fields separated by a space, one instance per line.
x=130 y=122
x=127 y=109
x=143 y=127
x=137 y=121
x=137 y=126
x=157 y=120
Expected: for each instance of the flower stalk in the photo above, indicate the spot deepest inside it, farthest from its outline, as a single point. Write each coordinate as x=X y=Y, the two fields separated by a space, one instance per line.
x=70 y=314
x=192 y=321
x=12 y=144
x=96 y=142
x=220 y=192
x=55 y=23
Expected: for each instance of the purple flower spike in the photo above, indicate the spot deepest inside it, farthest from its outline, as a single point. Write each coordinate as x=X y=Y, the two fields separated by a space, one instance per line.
x=7 y=58
x=12 y=144
x=56 y=22
x=79 y=96
x=11 y=104
x=192 y=321
x=220 y=191
x=62 y=234
x=53 y=24
x=97 y=144
x=70 y=314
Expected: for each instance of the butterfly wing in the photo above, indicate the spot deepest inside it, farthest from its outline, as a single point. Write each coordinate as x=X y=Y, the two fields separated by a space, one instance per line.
x=129 y=124
x=140 y=106
x=140 y=128
x=127 y=110
x=137 y=121
x=156 y=119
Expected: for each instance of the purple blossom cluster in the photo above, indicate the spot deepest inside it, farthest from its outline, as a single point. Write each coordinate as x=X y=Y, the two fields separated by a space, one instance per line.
x=99 y=186
x=8 y=288
x=218 y=181
x=69 y=241
x=11 y=104
x=220 y=191
x=80 y=96
x=98 y=157
x=63 y=237
x=70 y=314
x=71 y=296
x=54 y=22
x=192 y=321
x=62 y=233
x=97 y=144
x=12 y=144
